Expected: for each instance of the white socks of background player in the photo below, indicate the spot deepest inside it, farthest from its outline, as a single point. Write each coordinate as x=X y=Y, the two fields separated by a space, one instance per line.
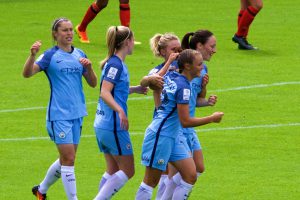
x=112 y=185
x=104 y=178
x=144 y=192
x=161 y=186
x=69 y=181
x=53 y=174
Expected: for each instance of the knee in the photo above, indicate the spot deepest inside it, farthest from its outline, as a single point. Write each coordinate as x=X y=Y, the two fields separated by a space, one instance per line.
x=200 y=169
x=68 y=160
x=124 y=1
x=101 y=4
x=258 y=5
x=130 y=173
x=190 y=178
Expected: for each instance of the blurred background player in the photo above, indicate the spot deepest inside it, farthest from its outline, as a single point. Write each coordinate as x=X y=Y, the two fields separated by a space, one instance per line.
x=92 y=12
x=248 y=11
x=64 y=66
x=111 y=122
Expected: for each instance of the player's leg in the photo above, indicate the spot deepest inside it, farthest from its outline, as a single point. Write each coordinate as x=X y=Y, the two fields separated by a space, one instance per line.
x=111 y=168
x=118 y=179
x=187 y=170
x=124 y=13
x=248 y=15
x=67 y=159
x=150 y=181
x=90 y=14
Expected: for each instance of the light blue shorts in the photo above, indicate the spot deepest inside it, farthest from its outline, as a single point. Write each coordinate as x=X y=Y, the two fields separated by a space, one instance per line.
x=158 y=150
x=114 y=143
x=193 y=141
x=65 y=131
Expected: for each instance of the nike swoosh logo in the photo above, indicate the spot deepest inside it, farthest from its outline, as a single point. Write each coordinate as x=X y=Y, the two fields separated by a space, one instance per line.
x=67 y=175
x=58 y=61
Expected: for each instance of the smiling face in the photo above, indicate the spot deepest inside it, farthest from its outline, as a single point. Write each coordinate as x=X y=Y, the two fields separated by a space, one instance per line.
x=208 y=49
x=64 y=33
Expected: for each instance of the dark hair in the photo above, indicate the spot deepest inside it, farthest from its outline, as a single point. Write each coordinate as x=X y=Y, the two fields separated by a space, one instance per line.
x=196 y=37
x=187 y=56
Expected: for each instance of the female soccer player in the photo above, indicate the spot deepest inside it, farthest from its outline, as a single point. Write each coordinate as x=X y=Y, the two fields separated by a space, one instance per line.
x=111 y=123
x=248 y=11
x=64 y=66
x=166 y=46
x=92 y=12
x=204 y=42
x=158 y=146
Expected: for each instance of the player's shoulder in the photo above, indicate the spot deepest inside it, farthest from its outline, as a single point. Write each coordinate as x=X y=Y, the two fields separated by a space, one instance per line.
x=78 y=51
x=48 y=53
x=114 y=61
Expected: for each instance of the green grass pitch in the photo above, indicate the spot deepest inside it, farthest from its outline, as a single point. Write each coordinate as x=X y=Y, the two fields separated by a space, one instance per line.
x=252 y=154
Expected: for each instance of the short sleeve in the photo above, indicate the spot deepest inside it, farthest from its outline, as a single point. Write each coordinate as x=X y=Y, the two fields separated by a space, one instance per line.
x=113 y=72
x=183 y=94
x=153 y=71
x=43 y=60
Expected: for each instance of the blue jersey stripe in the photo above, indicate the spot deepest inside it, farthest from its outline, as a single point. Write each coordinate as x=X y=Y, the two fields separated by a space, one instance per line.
x=157 y=135
x=115 y=129
x=50 y=101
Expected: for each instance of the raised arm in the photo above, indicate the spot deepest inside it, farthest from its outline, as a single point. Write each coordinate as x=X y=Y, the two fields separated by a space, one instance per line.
x=30 y=68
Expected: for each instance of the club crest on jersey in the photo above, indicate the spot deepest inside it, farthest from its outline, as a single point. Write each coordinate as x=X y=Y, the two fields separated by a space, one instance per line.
x=128 y=146
x=112 y=73
x=62 y=135
x=161 y=161
x=186 y=94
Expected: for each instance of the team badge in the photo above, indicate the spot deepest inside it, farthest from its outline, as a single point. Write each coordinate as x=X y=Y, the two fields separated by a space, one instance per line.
x=128 y=146
x=186 y=94
x=62 y=135
x=112 y=73
x=161 y=161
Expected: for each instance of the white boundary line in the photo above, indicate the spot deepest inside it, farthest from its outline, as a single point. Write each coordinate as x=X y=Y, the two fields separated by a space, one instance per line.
x=150 y=97
x=141 y=133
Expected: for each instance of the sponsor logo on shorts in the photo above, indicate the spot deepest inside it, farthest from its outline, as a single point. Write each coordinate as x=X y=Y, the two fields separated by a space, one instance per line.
x=62 y=135
x=145 y=158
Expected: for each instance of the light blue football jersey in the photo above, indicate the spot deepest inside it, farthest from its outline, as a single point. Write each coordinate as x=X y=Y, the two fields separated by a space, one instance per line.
x=172 y=67
x=176 y=91
x=196 y=88
x=116 y=72
x=64 y=72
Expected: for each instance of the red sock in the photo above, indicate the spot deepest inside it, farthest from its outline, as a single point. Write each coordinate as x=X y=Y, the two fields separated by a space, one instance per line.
x=90 y=14
x=240 y=16
x=245 y=21
x=125 y=14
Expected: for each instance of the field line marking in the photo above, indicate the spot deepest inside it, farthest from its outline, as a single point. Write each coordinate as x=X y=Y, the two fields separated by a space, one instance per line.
x=150 y=97
x=141 y=133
